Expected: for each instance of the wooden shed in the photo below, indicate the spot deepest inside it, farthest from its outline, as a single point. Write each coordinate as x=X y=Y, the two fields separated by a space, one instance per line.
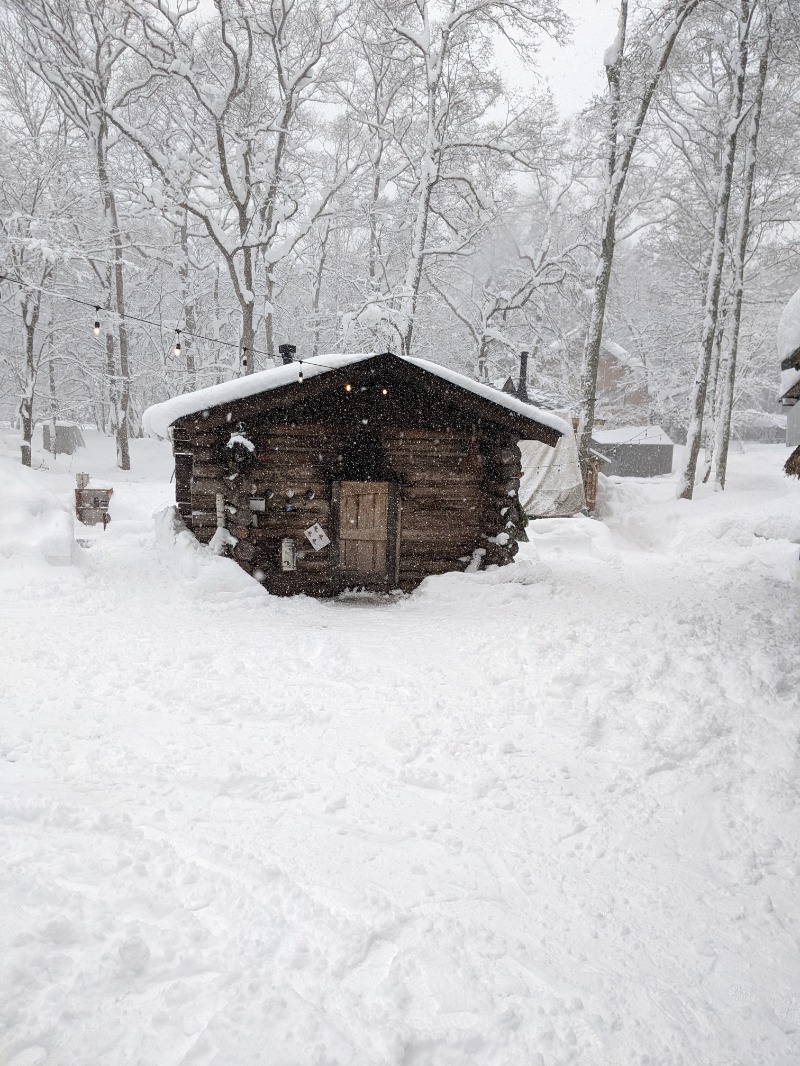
x=634 y=451
x=352 y=471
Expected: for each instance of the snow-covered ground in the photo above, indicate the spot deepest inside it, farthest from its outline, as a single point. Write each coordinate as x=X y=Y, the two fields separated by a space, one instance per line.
x=542 y=815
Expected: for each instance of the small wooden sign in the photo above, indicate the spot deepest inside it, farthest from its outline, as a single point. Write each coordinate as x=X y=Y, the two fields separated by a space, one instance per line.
x=317 y=537
x=288 y=554
x=91 y=505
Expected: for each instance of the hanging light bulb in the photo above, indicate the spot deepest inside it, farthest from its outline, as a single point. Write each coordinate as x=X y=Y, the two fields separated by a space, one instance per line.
x=177 y=342
x=96 y=322
x=300 y=375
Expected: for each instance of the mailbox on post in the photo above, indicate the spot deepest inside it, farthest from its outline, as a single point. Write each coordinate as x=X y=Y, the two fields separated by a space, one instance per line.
x=92 y=502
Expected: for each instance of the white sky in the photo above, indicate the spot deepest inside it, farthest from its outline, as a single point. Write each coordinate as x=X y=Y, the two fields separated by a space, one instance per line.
x=574 y=72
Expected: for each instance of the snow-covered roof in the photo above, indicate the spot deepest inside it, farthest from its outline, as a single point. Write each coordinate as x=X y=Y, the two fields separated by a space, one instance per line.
x=631 y=435
x=157 y=419
x=789 y=380
x=789 y=335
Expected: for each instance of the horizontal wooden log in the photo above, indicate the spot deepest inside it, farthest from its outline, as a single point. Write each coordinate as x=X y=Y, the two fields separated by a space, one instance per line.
x=431 y=479
x=204 y=437
x=203 y=455
x=473 y=518
x=263 y=534
x=430 y=569
x=420 y=560
x=437 y=493
x=211 y=486
x=208 y=471
x=435 y=549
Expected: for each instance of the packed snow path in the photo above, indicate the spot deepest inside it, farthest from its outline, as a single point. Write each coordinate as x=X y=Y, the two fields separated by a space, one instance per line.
x=545 y=815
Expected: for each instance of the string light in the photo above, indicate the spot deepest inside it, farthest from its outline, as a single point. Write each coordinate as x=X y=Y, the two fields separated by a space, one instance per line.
x=348 y=388
x=177 y=342
x=215 y=342
x=97 y=321
x=384 y=392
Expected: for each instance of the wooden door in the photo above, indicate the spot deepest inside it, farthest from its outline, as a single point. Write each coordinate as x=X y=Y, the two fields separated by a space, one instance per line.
x=363 y=529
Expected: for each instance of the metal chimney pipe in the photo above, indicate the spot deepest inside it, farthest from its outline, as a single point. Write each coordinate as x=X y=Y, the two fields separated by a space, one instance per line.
x=522 y=388
x=287 y=352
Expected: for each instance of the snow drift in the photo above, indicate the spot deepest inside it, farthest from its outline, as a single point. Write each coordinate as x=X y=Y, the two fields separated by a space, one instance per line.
x=35 y=525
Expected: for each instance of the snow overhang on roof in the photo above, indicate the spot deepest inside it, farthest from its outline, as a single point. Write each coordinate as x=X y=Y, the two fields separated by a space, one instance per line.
x=789 y=345
x=790 y=385
x=157 y=420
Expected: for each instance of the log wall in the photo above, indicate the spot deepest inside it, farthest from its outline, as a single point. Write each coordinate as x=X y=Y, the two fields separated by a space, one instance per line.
x=456 y=493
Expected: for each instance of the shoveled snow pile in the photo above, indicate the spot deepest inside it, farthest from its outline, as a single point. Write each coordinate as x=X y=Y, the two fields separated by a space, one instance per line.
x=539 y=815
x=35 y=525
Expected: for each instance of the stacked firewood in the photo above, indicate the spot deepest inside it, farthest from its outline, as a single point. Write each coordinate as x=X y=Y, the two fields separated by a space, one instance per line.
x=503 y=519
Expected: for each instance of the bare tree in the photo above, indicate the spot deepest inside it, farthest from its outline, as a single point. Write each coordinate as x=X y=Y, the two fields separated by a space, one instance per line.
x=455 y=87
x=38 y=199
x=723 y=421
x=633 y=77
x=74 y=48
x=237 y=145
x=711 y=305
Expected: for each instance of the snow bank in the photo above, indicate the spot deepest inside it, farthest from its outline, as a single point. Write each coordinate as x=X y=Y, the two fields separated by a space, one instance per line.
x=474 y=588
x=157 y=419
x=213 y=578
x=544 y=815
x=757 y=528
x=34 y=524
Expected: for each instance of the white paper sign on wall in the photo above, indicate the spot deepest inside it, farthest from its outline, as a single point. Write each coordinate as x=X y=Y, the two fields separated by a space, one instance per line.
x=317 y=536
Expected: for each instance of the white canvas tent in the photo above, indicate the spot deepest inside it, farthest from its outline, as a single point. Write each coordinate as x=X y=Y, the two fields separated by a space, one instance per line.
x=551 y=485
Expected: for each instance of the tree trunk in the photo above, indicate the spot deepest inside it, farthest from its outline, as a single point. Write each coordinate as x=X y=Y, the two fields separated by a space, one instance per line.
x=723 y=428
x=51 y=377
x=121 y=391
x=483 y=354
x=415 y=264
x=317 y=286
x=602 y=280
x=188 y=305
x=712 y=406
x=429 y=175
x=248 y=335
x=30 y=318
x=269 y=312
x=714 y=280
x=113 y=384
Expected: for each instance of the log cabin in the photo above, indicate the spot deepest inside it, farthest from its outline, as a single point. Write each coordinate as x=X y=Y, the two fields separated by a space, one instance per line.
x=354 y=471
